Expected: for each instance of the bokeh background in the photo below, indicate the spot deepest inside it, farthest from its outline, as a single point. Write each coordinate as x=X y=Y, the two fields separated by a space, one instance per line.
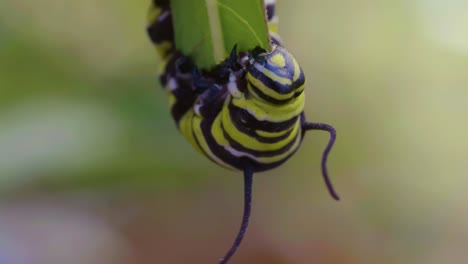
x=92 y=169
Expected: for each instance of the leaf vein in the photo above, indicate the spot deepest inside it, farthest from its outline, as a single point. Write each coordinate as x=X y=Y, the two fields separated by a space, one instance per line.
x=235 y=14
x=216 y=31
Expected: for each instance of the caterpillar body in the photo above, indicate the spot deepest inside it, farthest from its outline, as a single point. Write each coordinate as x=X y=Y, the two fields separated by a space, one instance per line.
x=247 y=113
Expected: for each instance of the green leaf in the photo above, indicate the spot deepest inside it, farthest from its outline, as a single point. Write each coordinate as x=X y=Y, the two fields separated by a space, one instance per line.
x=206 y=30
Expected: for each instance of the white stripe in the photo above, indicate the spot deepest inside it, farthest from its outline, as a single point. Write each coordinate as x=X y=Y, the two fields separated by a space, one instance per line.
x=173 y=85
x=196 y=109
x=163 y=16
x=240 y=154
x=274 y=20
x=276 y=37
x=232 y=86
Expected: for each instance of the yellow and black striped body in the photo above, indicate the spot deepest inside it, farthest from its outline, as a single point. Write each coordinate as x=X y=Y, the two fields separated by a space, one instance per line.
x=244 y=114
x=248 y=113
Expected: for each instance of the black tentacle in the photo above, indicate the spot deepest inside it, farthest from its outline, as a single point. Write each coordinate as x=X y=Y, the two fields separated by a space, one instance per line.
x=331 y=130
x=248 y=179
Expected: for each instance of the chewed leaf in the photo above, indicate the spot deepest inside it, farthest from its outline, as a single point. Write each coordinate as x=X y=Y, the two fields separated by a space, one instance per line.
x=206 y=30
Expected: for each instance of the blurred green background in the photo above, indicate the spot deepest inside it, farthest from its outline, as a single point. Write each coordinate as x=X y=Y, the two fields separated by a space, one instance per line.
x=92 y=169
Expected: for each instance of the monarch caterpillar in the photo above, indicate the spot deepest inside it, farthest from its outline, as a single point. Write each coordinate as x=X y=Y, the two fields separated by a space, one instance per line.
x=246 y=114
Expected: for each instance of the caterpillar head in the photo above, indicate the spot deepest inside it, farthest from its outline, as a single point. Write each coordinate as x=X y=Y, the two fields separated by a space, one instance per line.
x=275 y=76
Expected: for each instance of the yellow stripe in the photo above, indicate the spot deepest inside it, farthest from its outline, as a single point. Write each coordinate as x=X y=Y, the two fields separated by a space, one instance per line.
x=270 y=112
x=190 y=128
x=219 y=136
x=300 y=89
x=279 y=60
x=267 y=90
x=272 y=75
x=273 y=27
x=297 y=69
x=268 y=160
x=249 y=87
x=248 y=141
x=285 y=154
x=196 y=126
x=153 y=14
x=217 y=132
x=185 y=127
x=163 y=48
x=267 y=134
x=172 y=98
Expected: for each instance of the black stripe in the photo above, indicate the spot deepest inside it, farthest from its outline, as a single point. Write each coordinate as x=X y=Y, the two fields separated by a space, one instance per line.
x=267 y=97
x=161 y=3
x=215 y=148
x=250 y=121
x=184 y=94
x=298 y=94
x=230 y=159
x=185 y=98
x=247 y=130
x=170 y=69
x=276 y=40
x=289 y=62
x=162 y=30
x=300 y=81
x=213 y=103
x=239 y=147
x=275 y=86
x=270 y=10
x=199 y=146
x=288 y=70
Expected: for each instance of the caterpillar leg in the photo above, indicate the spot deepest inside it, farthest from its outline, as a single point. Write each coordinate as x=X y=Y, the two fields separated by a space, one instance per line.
x=248 y=178
x=328 y=128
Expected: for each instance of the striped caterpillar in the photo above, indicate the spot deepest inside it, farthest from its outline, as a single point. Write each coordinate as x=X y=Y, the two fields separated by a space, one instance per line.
x=246 y=113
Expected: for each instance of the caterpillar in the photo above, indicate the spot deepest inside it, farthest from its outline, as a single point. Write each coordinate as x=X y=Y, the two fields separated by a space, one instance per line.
x=245 y=114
